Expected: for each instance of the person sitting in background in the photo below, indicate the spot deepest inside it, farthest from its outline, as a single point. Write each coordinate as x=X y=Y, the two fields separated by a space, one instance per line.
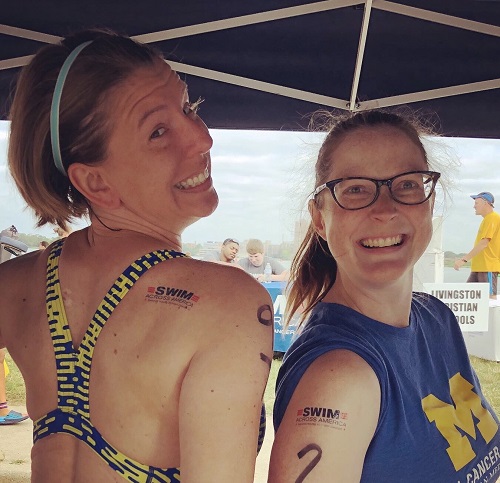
x=378 y=386
x=227 y=255
x=256 y=262
x=43 y=245
x=10 y=245
x=10 y=232
x=62 y=232
x=134 y=358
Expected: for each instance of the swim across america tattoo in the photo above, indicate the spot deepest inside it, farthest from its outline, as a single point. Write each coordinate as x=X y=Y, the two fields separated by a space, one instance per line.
x=265 y=315
x=179 y=297
x=312 y=464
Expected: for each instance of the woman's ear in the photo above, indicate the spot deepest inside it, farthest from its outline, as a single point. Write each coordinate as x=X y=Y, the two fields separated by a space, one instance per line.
x=89 y=181
x=317 y=219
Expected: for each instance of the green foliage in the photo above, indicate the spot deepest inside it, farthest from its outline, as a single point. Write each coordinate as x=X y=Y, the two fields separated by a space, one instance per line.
x=33 y=240
x=449 y=259
x=14 y=384
x=192 y=249
x=453 y=255
x=270 y=388
x=489 y=375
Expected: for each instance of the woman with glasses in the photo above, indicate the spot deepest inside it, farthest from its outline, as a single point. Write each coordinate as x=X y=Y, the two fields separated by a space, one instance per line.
x=378 y=386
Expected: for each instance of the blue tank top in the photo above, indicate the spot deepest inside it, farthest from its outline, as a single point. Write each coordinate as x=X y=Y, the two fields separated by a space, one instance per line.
x=72 y=415
x=434 y=424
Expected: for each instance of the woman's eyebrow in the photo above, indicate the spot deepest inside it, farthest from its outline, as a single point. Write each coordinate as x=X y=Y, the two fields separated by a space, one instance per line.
x=150 y=112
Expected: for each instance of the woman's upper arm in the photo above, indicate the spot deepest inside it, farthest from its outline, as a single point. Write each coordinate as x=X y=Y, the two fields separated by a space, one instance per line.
x=221 y=395
x=329 y=422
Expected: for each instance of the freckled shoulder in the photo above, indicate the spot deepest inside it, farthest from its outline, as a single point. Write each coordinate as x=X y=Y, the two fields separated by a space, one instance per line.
x=210 y=274
x=218 y=286
x=327 y=420
x=22 y=280
x=22 y=270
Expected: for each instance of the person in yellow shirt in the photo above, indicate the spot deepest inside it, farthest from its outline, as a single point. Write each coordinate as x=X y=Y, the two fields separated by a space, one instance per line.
x=485 y=256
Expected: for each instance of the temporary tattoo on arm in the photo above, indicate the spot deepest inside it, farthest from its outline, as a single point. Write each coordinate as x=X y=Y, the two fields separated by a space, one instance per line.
x=312 y=464
x=319 y=416
x=265 y=315
x=265 y=358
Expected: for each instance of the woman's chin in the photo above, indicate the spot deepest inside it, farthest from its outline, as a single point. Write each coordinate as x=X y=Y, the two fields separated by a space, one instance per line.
x=205 y=209
x=210 y=205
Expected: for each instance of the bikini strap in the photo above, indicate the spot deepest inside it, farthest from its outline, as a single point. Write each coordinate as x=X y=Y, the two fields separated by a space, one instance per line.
x=73 y=366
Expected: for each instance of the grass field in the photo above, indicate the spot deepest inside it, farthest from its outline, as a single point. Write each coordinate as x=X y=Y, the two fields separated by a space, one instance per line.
x=16 y=393
x=487 y=371
x=489 y=376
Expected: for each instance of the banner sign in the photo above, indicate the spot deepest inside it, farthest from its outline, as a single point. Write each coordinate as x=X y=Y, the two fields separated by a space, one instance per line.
x=282 y=337
x=468 y=301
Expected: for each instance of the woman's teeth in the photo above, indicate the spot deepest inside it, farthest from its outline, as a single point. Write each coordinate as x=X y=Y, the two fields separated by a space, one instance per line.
x=382 y=242
x=194 y=181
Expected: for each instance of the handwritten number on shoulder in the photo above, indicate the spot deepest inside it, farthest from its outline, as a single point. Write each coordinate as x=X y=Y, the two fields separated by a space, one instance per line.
x=265 y=315
x=266 y=359
x=312 y=464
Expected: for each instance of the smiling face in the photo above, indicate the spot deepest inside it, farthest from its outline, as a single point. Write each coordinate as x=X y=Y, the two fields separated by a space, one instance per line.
x=159 y=151
x=381 y=243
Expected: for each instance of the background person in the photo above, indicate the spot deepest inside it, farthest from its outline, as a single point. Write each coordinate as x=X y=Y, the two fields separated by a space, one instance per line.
x=62 y=232
x=135 y=360
x=7 y=416
x=485 y=256
x=10 y=232
x=8 y=246
x=227 y=255
x=378 y=386
x=43 y=245
x=256 y=262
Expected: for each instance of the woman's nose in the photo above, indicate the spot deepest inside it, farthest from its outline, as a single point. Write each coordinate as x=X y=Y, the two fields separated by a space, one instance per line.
x=385 y=205
x=200 y=132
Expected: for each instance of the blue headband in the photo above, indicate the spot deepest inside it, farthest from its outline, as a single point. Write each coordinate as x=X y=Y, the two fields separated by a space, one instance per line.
x=54 y=108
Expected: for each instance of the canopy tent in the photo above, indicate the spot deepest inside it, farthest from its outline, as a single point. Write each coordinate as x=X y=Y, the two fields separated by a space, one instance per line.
x=267 y=64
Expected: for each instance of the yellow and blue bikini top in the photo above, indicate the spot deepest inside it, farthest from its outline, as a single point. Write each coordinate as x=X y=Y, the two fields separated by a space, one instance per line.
x=73 y=369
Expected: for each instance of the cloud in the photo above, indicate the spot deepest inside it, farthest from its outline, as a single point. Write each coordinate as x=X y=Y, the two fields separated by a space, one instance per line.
x=263 y=178
x=4 y=131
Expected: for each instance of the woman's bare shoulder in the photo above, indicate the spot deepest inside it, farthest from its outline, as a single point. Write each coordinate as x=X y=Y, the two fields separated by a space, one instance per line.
x=334 y=410
x=343 y=375
x=214 y=278
x=214 y=294
x=23 y=267
x=344 y=366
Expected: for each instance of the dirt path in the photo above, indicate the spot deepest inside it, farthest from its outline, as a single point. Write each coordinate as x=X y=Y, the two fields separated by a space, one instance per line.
x=15 y=451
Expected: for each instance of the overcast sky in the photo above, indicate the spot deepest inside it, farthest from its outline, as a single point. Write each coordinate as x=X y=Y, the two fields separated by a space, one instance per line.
x=263 y=177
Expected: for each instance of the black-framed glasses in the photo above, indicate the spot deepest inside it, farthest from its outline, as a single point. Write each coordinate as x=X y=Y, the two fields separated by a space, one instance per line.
x=356 y=193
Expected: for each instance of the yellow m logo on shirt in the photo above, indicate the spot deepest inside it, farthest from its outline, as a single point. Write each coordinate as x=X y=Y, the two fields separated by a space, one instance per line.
x=448 y=418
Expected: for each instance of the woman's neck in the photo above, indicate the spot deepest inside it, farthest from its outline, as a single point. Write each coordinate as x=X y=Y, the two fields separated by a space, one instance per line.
x=389 y=304
x=104 y=227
